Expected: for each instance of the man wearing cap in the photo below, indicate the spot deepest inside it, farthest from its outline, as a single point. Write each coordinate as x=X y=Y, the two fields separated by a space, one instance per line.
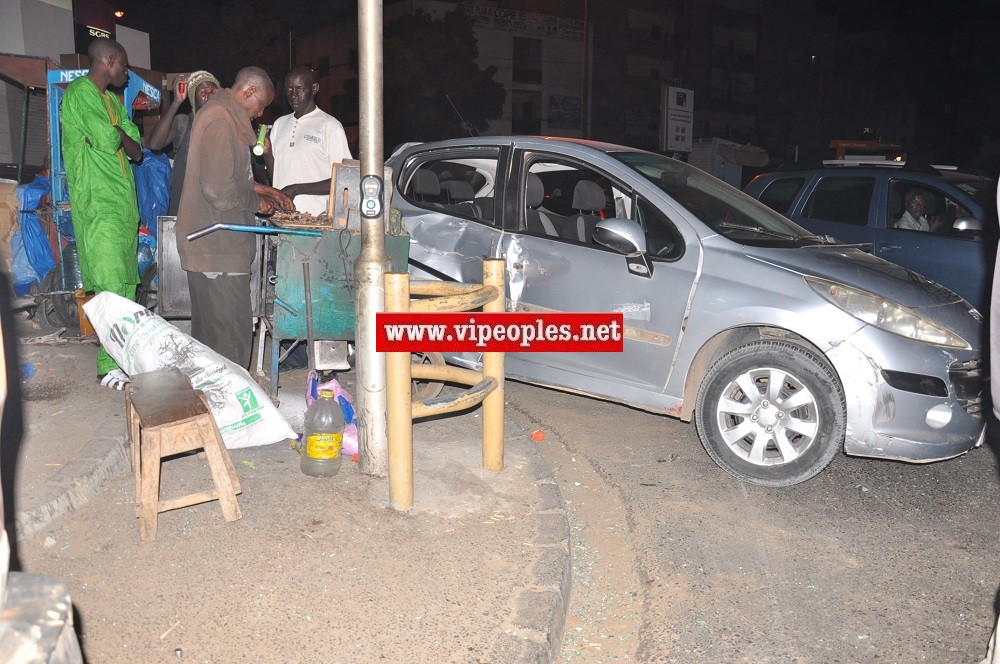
x=176 y=128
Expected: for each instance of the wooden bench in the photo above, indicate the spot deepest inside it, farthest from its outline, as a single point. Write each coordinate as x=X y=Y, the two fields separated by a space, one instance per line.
x=167 y=416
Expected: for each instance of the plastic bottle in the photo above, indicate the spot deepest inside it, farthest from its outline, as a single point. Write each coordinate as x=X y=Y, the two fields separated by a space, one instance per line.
x=323 y=437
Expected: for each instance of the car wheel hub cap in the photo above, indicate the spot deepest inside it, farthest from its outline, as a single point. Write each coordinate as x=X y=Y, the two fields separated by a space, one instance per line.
x=767 y=416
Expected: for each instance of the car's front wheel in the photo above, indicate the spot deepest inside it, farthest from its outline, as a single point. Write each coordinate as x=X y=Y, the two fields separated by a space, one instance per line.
x=772 y=413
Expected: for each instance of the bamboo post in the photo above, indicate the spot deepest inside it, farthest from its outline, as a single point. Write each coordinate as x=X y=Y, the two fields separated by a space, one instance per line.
x=399 y=402
x=493 y=275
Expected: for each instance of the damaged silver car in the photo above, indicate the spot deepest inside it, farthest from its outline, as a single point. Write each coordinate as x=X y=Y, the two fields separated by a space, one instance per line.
x=784 y=347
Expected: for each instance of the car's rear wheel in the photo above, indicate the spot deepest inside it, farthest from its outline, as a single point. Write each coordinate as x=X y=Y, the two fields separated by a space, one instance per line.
x=771 y=413
x=423 y=390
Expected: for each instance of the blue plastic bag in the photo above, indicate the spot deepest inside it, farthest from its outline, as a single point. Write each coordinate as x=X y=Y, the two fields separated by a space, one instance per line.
x=29 y=196
x=152 y=187
x=24 y=275
x=147 y=250
x=36 y=243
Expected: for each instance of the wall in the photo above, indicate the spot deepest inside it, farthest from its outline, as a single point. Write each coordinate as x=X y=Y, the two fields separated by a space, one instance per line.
x=36 y=27
x=11 y=34
x=48 y=27
x=136 y=44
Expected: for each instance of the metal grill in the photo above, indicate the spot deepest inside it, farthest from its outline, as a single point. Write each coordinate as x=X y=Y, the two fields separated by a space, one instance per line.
x=969 y=383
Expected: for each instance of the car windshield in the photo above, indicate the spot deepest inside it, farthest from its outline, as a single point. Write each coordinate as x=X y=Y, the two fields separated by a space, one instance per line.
x=724 y=209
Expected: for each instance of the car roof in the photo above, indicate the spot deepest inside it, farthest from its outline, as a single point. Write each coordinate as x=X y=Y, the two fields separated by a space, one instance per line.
x=521 y=140
x=949 y=174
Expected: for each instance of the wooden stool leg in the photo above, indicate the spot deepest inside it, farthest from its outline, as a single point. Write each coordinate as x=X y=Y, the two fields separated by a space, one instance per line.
x=135 y=439
x=233 y=477
x=221 y=472
x=149 y=503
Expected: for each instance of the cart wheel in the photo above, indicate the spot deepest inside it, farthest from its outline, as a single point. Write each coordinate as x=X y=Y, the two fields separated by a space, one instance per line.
x=62 y=306
x=423 y=390
x=145 y=293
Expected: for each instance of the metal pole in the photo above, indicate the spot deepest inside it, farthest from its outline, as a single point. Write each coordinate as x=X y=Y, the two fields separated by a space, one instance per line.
x=399 y=403
x=373 y=262
x=307 y=283
x=24 y=135
x=585 y=103
x=493 y=274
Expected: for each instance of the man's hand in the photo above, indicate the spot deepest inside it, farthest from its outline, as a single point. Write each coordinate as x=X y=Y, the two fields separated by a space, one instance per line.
x=935 y=223
x=267 y=146
x=265 y=205
x=291 y=190
x=272 y=199
x=132 y=149
x=179 y=96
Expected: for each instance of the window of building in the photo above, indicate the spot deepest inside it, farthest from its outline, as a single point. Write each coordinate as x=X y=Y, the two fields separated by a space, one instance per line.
x=526 y=112
x=527 y=60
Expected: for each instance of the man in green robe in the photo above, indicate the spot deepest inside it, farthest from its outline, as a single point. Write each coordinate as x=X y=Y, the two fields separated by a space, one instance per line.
x=98 y=139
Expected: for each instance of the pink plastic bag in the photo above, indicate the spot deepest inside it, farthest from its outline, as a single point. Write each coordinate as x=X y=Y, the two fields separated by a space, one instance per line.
x=313 y=386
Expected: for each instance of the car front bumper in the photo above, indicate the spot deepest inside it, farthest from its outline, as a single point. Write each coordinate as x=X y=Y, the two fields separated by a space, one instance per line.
x=890 y=423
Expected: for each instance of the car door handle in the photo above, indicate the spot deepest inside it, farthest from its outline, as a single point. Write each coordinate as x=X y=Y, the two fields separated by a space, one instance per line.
x=888 y=248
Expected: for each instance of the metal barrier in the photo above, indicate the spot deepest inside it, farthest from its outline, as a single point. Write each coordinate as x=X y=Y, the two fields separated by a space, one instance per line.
x=486 y=386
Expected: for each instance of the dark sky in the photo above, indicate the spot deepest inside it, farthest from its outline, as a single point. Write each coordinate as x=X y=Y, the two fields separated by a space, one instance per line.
x=224 y=35
x=932 y=17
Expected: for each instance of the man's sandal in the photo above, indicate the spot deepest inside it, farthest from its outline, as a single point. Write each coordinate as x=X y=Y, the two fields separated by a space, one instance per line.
x=116 y=380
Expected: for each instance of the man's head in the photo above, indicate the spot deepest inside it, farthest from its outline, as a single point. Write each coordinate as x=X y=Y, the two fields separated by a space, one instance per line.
x=254 y=90
x=915 y=203
x=300 y=89
x=201 y=85
x=108 y=62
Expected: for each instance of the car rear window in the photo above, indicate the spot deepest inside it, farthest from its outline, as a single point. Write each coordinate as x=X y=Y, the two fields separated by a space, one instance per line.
x=779 y=194
x=844 y=200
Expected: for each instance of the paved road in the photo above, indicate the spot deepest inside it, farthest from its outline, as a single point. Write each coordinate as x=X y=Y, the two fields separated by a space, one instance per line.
x=869 y=561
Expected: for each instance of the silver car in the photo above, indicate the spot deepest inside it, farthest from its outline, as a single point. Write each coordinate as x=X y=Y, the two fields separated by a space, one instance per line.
x=781 y=345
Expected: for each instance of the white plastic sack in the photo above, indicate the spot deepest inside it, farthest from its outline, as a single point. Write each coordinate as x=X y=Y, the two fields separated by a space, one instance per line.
x=141 y=341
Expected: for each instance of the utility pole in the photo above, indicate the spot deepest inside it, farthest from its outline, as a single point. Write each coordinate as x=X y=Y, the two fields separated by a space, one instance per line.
x=585 y=102
x=373 y=261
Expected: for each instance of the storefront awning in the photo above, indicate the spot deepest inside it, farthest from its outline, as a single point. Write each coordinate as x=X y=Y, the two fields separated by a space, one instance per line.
x=26 y=71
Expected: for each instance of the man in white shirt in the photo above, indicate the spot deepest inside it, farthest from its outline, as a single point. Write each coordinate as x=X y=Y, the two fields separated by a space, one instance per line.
x=304 y=145
x=913 y=219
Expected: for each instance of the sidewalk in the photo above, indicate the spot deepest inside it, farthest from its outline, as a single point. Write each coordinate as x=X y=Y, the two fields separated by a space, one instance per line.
x=318 y=569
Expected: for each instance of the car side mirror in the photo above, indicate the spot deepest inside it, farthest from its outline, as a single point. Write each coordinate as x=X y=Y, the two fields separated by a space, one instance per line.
x=968 y=226
x=622 y=235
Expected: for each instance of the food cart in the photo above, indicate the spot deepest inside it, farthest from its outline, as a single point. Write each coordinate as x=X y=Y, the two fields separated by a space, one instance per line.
x=303 y=278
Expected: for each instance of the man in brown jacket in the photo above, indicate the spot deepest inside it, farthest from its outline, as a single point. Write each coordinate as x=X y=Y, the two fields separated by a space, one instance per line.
x=219 y=188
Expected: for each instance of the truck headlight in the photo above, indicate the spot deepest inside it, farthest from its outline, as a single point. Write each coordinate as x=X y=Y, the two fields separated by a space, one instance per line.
x=885 y=314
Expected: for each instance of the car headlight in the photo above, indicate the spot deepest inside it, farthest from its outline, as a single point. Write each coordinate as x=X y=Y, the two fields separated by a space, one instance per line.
x=885 y=314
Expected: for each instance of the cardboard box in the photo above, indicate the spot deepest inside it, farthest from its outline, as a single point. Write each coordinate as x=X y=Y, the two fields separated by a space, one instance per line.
x=8 y=222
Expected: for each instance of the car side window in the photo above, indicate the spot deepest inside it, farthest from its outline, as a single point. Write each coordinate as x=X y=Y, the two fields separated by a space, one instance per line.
x=566 y=200
x=461 y=185
x=845 y=200
x=662 y=238
x=780 y=194
x=915 y=206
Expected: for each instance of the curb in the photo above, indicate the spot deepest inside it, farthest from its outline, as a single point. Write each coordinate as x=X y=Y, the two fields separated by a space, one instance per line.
x=76 y=482
x=539 y=609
